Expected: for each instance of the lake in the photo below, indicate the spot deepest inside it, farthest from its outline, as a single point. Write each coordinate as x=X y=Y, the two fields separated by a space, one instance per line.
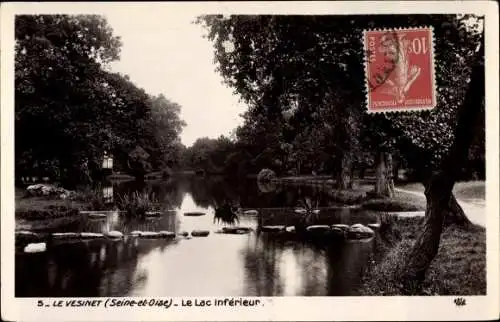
x=254 y=264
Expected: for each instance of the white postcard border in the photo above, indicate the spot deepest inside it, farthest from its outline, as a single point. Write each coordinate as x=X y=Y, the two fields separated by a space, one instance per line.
x=278 y=308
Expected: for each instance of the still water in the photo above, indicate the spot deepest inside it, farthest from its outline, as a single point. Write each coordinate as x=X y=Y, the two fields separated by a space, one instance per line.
x=254 y=264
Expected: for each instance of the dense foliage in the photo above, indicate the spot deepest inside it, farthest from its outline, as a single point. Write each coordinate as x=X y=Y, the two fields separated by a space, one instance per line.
x=70 y=110
x=303 y=79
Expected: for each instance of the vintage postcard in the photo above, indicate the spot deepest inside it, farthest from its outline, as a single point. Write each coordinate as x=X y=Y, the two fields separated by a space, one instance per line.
x=257 y=161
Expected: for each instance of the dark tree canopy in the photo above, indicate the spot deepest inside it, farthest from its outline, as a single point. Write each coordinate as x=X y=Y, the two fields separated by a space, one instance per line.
x=70 y=109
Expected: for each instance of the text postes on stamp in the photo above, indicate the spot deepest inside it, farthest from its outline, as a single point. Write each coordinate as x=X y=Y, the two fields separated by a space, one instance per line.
x=399 y=70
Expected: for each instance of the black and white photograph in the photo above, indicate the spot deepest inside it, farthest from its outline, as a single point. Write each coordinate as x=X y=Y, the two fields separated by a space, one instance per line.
x=165 y=151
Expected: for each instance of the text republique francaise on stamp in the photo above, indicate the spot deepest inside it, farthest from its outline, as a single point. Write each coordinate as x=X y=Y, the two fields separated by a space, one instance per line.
x=399 y=70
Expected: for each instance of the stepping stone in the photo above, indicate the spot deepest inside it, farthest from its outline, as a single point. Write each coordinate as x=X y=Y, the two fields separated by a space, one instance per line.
x=316 y=211
x=194 y=214
x=136 y=233
x=318 y=228
x=275 y=228
x=359 y=231
x=236 y=230
x=166 y=234
x=149 y=234
x=114 y=234
x=35 y=248
x=301 y=211
x=91 y=235
x=290 y=229
x=28 y=236
x=65 y=235
x=374 y=226
x=340 y=226
x=251 y=212
x=184 y=234
x=200 y=233
x=25 y=233
x=338 y=231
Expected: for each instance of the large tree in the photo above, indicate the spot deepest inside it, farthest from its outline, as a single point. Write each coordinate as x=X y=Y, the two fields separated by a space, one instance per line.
x=439 y=185
x=70 y=109
x=271 y=60
x=59 y=90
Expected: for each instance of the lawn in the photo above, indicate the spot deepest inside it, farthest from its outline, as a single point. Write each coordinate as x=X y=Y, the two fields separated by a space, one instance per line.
x=44 y=207
x=466 y=190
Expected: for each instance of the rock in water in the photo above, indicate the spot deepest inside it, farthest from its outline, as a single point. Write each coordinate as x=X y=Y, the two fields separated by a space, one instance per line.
x=251 y=212
x=114 y=234
x=290 y=229
x=275 y=228
x=65 y=235
x=150 y=234
x=318 y=229
x=338 y=232
x=301 y=211
x=136 y=233
x=166 y=234
x=91 y=235
x=236 y=230
x=27 y=236
x=341 y=226
x=200 y=233
x=35 y=248
x=359 y=231
x=194 y=214
x=184 y=233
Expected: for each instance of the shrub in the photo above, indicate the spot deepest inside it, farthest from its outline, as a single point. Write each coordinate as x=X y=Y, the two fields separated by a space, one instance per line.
x=266 y=175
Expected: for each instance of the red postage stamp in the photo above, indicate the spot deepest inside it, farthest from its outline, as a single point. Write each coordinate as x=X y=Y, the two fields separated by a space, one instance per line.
x=399 y=70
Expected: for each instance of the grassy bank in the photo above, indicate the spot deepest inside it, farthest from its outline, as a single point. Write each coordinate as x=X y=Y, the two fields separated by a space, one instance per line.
x=31 y=208
x=466 y=190
x=400 y=202
x=360 y=194
x=458 y=269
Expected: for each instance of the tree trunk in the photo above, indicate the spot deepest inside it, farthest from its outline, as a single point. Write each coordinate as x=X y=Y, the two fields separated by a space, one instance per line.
x=344 y=181
x=395 y=169
x=456 y=215
x=438 y=191
x=384 y=185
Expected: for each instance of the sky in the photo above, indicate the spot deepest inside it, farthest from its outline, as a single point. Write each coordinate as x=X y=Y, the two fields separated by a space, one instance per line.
x=166 y=53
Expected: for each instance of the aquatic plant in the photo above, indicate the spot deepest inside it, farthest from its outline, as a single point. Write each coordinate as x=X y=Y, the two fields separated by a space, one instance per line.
x=137 y=204
x=309 y=216
x=226 y=215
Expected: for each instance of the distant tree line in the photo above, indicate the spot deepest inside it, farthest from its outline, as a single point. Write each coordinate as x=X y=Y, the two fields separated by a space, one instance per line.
x=70 y=109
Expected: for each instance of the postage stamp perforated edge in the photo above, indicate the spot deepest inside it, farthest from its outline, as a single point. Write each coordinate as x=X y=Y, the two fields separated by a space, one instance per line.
x=432 y=72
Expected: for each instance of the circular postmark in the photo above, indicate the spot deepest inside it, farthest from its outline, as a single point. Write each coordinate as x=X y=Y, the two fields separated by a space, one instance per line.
x=387 y=45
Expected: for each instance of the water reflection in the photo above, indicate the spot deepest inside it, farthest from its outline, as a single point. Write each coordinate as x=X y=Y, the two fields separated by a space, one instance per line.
x=253 y=264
